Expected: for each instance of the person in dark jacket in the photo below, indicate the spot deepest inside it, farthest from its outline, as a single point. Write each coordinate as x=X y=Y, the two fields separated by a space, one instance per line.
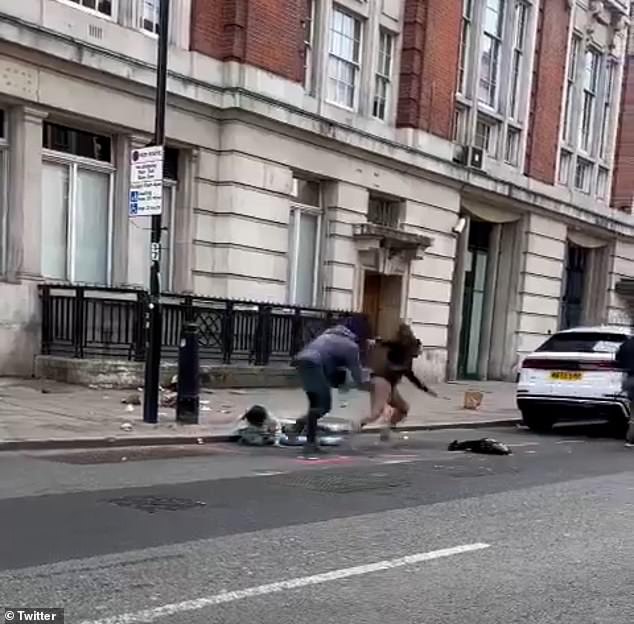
x=625 y=360
x=393 y=359
x=322 y=365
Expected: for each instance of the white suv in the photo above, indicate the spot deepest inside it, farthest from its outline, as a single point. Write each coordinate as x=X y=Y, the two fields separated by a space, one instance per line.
x=573 y=376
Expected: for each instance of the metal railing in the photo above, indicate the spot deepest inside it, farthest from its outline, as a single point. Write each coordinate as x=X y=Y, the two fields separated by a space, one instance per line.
x=93 y=322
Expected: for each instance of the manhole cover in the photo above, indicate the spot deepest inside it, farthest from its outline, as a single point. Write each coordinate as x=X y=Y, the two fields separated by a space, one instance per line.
x=342 y=484
x=152 y=504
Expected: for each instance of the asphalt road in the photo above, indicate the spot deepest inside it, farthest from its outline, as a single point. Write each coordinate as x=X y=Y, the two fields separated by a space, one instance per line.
x=385 y=534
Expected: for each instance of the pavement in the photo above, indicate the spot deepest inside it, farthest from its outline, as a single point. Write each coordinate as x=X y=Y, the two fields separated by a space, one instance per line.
x=42 y=414
x=374 y=533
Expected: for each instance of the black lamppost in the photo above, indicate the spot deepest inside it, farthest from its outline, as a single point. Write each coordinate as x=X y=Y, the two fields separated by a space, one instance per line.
x=154 y=314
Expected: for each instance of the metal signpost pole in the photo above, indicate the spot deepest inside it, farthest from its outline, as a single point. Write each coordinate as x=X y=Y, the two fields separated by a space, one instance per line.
x=154 y=315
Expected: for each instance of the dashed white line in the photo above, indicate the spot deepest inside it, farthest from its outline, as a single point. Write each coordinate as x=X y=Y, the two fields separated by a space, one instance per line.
x=151 y=615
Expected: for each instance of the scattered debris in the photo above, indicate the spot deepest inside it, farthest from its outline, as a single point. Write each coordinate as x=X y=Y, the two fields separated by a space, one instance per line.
x=204 y=402
x=204 y=408
x=200 y=441
x=173 y=384
x=132 y=399
x=169 y=399
x=124 y=459
x=472 y=399
x=237 y=391
x=93 y=386
x=126 y=426
x=129 y=408
x=45 y=391
x=487 y=446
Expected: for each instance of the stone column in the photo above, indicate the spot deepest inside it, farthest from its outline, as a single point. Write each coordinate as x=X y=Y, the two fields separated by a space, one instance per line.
x=490 y=289
x=182 y=255
x=120 y=219
x=25 y=196
x=457 y=299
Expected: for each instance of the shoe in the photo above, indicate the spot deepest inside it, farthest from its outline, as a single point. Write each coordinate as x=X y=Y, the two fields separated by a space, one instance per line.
x=356 y=426
x=629 y=445
x=299 y=426
x=312 y=451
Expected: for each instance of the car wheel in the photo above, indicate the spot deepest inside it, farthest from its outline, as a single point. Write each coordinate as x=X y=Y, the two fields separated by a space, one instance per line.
x=537 y=422
x=619 y=427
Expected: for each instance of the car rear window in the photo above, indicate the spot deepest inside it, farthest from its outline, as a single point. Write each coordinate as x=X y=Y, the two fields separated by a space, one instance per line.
x=584 y=342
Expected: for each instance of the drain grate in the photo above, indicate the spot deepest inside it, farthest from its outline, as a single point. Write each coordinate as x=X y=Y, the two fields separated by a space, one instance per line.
x=342 y=484
x=152 y=504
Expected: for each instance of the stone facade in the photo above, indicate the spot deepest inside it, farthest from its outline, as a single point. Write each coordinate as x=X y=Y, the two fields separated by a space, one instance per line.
x=275 y=176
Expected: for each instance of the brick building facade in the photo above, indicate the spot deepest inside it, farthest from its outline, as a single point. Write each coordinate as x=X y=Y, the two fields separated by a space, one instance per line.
x=444 y=161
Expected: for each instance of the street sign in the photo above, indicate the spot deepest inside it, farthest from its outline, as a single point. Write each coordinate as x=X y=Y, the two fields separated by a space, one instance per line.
x=146 y=181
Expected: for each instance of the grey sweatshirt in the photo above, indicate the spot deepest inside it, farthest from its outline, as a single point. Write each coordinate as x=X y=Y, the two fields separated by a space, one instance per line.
x=335 y=348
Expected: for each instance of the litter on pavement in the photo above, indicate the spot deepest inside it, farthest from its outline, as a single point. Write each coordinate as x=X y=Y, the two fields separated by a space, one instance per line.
x=487 y=446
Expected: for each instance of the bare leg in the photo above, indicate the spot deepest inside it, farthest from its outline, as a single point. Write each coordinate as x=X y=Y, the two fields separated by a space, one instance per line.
x=400 y=408
x=380 y=390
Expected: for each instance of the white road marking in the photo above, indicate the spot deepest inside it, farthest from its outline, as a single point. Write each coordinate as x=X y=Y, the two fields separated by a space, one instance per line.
x=523 y=444
x=150 y=615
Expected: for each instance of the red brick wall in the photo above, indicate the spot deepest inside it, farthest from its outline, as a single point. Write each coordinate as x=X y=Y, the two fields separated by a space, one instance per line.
x=623 y=188
x=429 y=65
x=264 y=33
x=547 y=90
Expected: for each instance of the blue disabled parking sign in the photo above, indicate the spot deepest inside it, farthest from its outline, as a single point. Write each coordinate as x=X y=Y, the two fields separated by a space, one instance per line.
x=146 y=182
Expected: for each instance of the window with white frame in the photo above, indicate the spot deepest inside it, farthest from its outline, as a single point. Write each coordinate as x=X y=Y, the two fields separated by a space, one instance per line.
x=465 y=40
x=608 y=106
x=344 y=62
x=149 y=12
x=383 y=75
x=493 y=29
x=105 y=7
x=517 y=62
x=573 y=64
x=602 y=183
x=77 y=181
x=305 y=242
x=588 y=119
x=309 y=37
x=4 y=163
x=565 y=161
x=486 y=136
x=493 y=75
x=141 y=229
x=511 y=149
x=590 y=84
x=583 y=175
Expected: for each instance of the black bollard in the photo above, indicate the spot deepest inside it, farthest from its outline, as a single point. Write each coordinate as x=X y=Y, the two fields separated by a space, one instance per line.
x=188 y=400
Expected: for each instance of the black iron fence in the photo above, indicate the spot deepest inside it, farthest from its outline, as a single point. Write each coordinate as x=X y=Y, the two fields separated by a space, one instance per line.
x=87 y=322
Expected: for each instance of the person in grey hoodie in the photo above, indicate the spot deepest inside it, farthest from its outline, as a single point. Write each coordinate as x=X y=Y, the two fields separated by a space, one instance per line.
x=322 y=365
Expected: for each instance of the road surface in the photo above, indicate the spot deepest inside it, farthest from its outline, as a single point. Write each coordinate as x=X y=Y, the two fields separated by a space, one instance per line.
x=387 y=534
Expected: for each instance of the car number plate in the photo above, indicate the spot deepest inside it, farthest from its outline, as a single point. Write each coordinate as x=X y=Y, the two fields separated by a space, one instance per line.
x=565 y=376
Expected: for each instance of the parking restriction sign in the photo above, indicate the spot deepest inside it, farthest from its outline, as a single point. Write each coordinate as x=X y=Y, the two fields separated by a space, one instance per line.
x=146 y=181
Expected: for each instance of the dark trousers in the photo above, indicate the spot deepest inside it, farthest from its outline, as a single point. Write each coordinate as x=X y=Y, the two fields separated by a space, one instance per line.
x=317 y=389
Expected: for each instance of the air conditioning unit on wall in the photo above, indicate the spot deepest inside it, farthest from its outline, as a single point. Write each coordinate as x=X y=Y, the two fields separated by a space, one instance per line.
x=469 y=156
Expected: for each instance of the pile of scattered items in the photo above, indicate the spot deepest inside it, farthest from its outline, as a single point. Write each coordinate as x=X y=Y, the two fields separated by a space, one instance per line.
x=259 y=428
